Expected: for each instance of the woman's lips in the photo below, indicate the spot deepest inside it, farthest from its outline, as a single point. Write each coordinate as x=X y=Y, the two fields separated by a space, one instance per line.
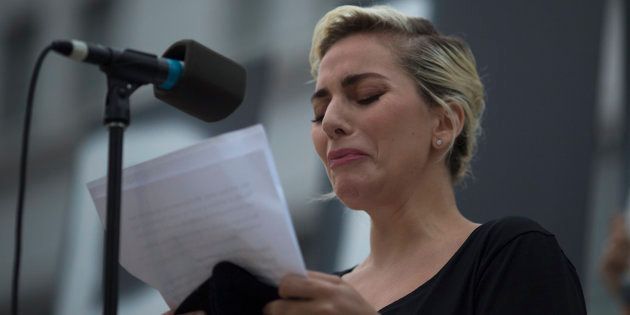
x=344 y=156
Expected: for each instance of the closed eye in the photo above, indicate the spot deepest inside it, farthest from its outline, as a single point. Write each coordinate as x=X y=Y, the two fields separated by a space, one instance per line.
x=370 y=99
x=317 y=119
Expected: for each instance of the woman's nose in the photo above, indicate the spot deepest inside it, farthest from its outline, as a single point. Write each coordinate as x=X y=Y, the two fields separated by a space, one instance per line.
x=336 y=122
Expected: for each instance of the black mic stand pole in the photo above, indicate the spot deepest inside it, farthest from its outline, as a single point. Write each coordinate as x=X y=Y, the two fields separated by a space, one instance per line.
x=116 y=119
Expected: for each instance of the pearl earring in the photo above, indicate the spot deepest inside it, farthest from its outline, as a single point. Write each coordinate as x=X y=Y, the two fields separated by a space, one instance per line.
x=438 y=142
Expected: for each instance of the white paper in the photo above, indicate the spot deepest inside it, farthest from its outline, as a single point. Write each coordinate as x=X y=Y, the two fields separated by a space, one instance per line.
x=185 y=211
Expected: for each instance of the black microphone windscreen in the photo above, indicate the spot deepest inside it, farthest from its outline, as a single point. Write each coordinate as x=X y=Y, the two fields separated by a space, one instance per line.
x=211 y=86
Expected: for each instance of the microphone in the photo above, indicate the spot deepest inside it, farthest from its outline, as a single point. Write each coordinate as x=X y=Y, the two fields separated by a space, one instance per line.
x=189 y=76
x=137 y=67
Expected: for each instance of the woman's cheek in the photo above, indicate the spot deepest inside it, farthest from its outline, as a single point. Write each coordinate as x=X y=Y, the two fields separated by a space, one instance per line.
x=319 y=142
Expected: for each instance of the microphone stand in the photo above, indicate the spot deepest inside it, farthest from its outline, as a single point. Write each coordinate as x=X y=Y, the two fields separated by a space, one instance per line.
x=116 y=119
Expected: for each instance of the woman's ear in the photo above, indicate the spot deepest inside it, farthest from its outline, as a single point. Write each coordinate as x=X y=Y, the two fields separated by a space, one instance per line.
x=448 y=124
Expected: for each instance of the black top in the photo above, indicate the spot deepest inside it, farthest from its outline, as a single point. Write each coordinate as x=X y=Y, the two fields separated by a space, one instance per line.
x=508 y=266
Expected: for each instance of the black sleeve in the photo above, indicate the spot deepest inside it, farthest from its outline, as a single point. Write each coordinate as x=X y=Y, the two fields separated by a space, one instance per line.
x=529 y=275
x=230 y=290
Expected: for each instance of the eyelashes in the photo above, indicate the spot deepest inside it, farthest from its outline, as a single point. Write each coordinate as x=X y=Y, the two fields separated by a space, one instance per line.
x=363 y=102
x=317 y=119
x=370 y=99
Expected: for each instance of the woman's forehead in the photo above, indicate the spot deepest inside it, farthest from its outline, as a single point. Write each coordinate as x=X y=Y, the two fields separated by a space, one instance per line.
x=356 y=49
x=354 y=55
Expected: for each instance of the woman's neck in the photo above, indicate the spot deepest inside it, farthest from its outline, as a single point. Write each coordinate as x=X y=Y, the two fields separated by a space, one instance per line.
x=419 y=225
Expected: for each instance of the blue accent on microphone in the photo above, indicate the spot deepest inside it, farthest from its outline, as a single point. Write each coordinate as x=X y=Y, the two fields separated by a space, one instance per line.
x=174 y=72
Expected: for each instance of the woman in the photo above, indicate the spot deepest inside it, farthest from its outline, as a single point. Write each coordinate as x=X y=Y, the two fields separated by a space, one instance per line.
x=397 y=108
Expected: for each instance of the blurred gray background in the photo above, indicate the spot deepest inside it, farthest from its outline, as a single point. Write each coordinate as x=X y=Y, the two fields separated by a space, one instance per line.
x=555 y=146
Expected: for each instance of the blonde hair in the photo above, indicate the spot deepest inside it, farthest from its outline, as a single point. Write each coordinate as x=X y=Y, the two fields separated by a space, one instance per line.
x=443 y=67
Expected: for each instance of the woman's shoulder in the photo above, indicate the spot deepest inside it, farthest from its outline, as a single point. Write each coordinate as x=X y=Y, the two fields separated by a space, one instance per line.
x=516 y=256
x=505 y=230
x=512 y=226
x=508 y=234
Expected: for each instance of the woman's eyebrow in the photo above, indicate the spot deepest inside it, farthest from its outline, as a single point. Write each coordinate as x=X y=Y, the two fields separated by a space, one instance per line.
x=321 y=93
x=356 y=78
x=347 y=81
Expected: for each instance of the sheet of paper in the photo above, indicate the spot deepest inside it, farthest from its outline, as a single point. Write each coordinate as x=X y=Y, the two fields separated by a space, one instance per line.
x=185 y=211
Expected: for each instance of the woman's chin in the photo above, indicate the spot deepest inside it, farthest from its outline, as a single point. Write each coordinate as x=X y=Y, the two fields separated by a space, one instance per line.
x=351 y=196
x=355 y=190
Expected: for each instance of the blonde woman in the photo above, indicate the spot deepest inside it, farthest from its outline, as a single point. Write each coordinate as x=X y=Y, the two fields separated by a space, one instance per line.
x=397 y=109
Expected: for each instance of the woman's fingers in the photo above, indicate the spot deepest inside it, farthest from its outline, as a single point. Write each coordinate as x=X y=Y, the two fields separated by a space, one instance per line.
x=297 y=307
x=316 y=285
x=300 y=287
x=279 y=307
x=324 y=276
x=318 y=293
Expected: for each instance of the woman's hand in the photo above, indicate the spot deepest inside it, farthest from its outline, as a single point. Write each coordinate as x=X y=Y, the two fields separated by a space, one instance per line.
x=320 y=293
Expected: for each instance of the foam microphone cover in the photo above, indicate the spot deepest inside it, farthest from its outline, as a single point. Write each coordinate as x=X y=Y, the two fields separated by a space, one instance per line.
x=211 y=86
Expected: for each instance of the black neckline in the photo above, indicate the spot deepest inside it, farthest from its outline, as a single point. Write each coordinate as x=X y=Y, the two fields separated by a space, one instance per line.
x=405 y=297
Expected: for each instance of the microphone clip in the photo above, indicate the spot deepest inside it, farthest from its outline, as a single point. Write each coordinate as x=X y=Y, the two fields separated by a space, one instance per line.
x=117 y=100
